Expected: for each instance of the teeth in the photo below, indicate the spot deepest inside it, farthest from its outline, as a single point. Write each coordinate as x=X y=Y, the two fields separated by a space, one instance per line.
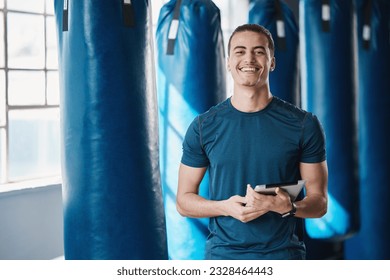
x=248 y=69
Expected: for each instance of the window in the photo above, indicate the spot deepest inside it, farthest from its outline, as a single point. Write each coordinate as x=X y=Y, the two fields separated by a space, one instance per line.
x=29 y=91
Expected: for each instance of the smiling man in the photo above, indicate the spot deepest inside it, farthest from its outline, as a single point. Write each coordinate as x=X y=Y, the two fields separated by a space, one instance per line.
x=249 y=139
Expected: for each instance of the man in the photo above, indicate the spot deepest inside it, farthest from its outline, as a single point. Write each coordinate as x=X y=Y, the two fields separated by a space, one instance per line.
x=249 y=139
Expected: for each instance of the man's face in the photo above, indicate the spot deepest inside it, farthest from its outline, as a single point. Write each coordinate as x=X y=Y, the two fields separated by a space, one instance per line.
x=250 y=59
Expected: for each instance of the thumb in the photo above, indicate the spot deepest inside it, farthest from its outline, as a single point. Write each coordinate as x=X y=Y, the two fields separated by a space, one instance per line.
x=281 y=192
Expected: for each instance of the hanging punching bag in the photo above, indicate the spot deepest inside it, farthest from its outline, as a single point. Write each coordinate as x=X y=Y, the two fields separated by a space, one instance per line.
x=191 y=79
x=278 y=18
x=113 y=206
x=328 y=65
x=372 y=241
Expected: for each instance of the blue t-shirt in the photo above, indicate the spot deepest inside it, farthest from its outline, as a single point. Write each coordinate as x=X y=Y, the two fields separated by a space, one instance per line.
x=242 y=148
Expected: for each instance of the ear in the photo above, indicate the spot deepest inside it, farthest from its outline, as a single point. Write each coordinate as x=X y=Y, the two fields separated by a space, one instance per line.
x=273 y=64
x=228 y=64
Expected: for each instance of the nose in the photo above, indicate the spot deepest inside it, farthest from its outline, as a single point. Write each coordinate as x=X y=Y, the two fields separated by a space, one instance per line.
x=249 y=57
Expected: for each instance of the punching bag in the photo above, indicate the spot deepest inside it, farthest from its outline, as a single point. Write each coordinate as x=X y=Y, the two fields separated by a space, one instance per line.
x=278 y=18
x=112 y=195
x=191 y=78
x=328 y=62
x=372 y=241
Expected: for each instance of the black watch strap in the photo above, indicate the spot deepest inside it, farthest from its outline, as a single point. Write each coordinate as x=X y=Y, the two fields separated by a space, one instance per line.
x=291 y=212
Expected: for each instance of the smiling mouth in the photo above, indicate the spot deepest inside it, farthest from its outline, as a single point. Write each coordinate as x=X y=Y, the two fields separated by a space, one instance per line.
x=249 y=69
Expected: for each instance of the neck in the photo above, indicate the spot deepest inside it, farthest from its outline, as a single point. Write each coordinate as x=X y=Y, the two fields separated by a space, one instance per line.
x=250 y=100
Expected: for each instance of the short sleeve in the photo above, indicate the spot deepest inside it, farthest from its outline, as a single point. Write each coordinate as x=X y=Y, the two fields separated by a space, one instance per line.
x=193 y=152
x=313 y=140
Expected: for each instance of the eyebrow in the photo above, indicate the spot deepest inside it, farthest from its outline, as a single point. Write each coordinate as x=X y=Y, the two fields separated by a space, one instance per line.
x=243 y=47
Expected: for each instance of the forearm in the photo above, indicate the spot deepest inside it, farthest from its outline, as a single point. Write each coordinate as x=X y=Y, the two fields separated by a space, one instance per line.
x=190 y=204
x=194 y=206
x=312 y=206
x=315 y=203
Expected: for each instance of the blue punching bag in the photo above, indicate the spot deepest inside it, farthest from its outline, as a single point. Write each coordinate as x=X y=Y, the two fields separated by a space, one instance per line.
x=278 y=18
x=113 y=206
x=191 y=79
x=372 y=241
x=328 y=63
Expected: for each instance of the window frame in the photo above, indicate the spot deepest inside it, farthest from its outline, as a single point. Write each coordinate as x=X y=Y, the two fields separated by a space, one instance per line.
x=5 y=182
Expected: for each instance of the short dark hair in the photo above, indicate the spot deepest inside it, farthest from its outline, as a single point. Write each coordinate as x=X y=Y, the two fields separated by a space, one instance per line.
x=254 y=28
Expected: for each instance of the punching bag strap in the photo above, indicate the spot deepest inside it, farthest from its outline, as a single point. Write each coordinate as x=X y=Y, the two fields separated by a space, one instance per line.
x=172 y=33
x=65 y=16
x=280 y=27
x=128 y=13
x=366 y=32
x=325 y=12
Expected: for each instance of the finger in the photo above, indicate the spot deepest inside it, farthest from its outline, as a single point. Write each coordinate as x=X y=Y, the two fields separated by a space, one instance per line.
x=239 y=199
x=281 y=193
x=250 y=196
x=250 y=190
x=251 y=215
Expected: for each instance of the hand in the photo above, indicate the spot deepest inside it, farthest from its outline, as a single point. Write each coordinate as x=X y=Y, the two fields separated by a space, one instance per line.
x=257 y=200
x=280 y=202
x=283 y=201
x=236 y=207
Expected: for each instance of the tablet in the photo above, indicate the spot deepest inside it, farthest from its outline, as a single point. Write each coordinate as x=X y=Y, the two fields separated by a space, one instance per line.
x=293 y=188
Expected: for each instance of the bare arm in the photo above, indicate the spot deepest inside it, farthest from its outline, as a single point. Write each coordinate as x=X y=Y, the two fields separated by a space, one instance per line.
x=314 y=205
x=189 y=203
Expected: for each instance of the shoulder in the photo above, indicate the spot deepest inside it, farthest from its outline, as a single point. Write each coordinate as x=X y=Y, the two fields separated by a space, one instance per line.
x=289 y=110
x=294 y=113
x=205 y=119
x=214 y=112
x=310 y=131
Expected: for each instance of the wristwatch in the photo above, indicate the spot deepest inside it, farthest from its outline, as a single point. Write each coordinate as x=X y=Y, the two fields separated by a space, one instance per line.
x=291 y=212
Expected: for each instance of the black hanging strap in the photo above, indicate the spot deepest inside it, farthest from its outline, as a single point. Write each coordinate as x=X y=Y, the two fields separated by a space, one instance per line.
x=173 y=28
x=280 y=27
x=128 y=13
x=65 y=16
x=366 y=31
x=325 y=15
